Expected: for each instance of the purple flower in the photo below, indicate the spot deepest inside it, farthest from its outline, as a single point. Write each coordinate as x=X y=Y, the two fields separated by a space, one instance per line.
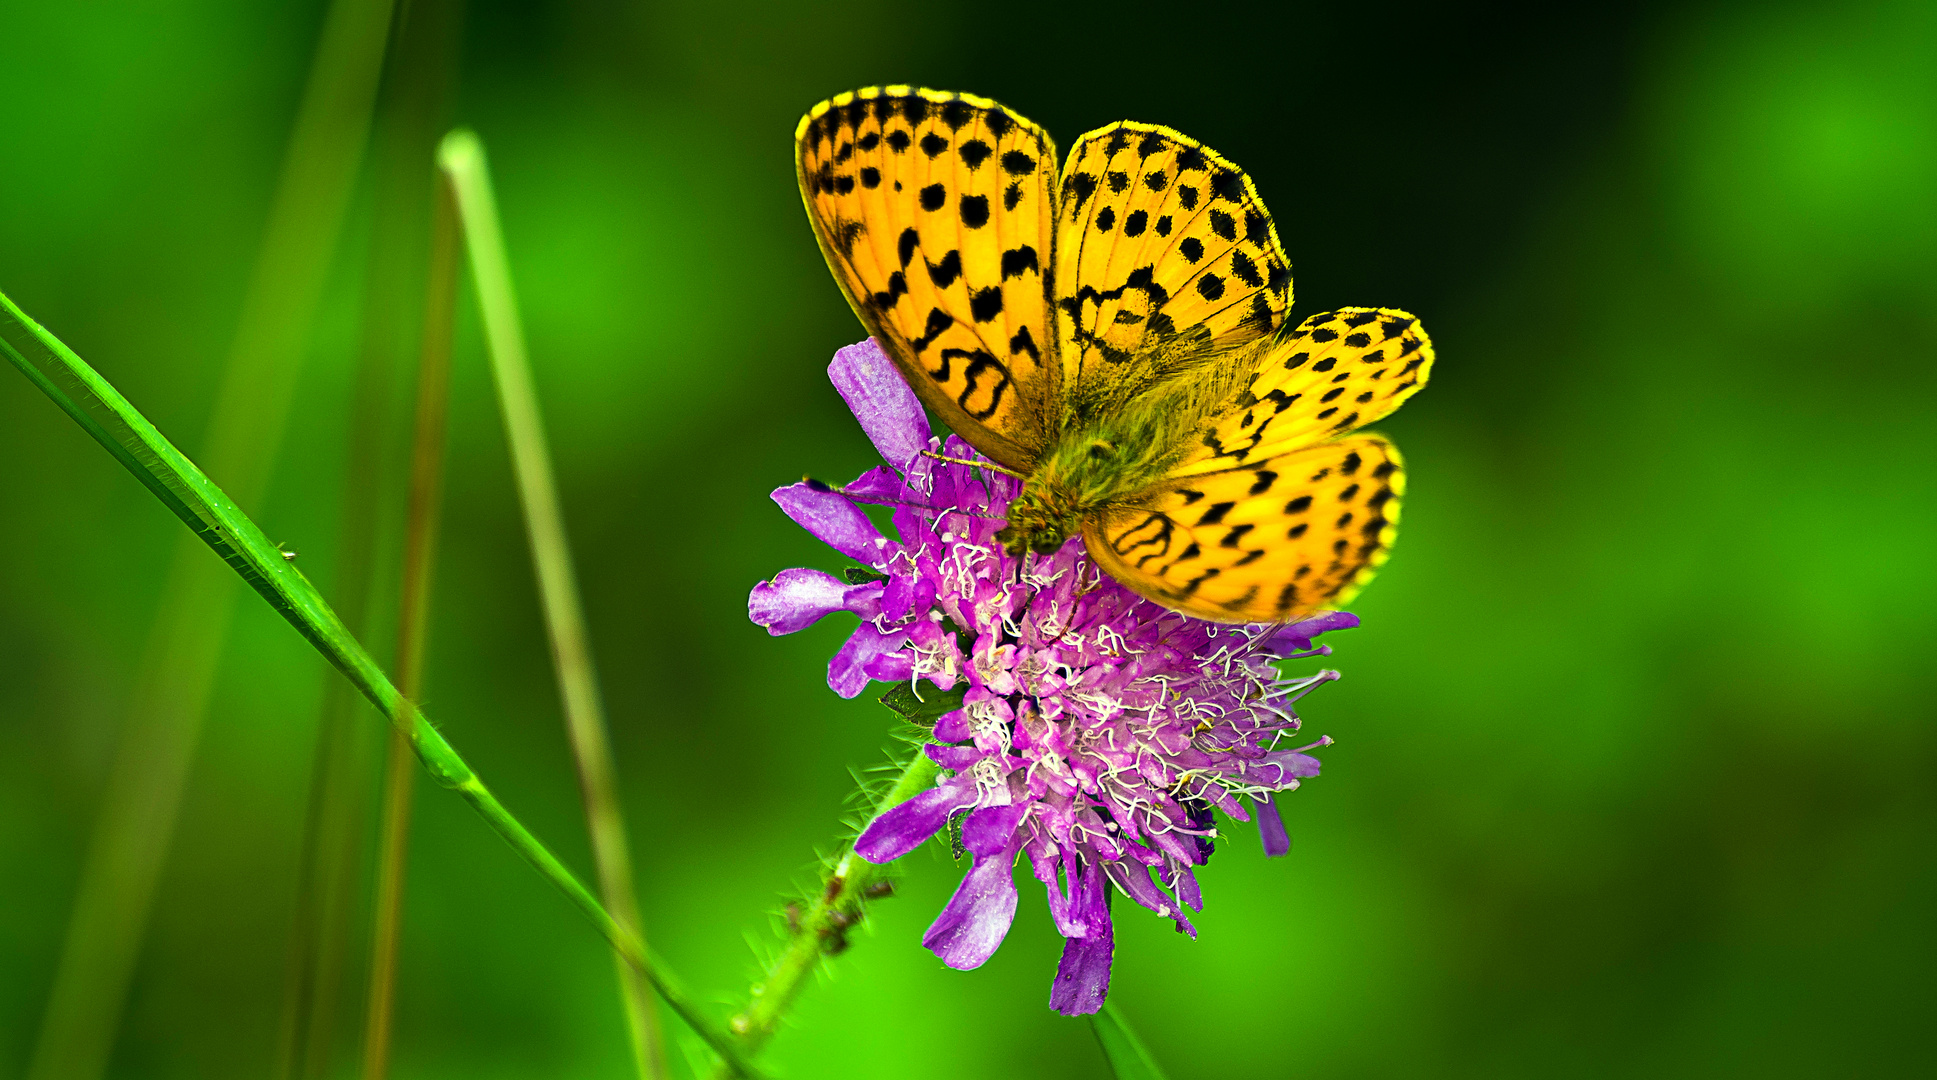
x=1098 y=730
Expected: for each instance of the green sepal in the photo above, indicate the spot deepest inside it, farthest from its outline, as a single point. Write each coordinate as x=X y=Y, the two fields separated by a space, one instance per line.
x=924 y=707
x=861 y=575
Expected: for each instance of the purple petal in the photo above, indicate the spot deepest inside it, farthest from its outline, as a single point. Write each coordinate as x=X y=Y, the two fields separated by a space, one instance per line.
x=1280 y=767
x=897 y=666
x=1185 y=883
x=796 y=599
x=879 y=483
x=993 y=828
x=847 y=673
x=837 y=522
x=1083 y=976
x=954 y=758
x=977 y=917
x=1271 y=827
x=1135 y=881
x=901 y=829
x=953 y=727
x=880 y=399
x=1045 y=866
x=1297 y=637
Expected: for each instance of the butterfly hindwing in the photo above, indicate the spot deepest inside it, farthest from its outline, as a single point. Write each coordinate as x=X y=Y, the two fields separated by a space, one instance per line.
x=1271 y=541
x=1336 y=372
x=1165 y=258
x=935 y=211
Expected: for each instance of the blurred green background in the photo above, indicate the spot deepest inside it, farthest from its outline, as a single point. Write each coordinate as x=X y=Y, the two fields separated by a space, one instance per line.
x=1636 y=770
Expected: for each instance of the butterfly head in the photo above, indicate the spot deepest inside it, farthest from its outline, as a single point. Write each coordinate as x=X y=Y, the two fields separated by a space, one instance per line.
x=1040 y=519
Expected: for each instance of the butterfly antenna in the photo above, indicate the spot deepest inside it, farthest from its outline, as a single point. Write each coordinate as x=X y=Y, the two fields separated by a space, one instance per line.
x=822 y=485
x=989 y=465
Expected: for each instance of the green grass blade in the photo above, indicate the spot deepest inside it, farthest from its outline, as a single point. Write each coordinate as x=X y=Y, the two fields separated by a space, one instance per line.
x=103 y=413
x=413 y=609
x=462 y=161
x=1129 y=1059
x=132 y=835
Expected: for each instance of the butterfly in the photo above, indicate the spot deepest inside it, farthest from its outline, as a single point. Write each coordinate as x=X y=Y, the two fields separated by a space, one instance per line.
x=1115 y=333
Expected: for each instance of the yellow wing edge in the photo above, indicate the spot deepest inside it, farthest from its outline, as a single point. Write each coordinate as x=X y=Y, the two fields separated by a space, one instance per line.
x=1388 y=536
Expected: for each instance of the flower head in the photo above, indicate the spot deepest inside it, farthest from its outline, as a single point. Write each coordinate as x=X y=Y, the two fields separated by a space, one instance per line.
x=1098 y=731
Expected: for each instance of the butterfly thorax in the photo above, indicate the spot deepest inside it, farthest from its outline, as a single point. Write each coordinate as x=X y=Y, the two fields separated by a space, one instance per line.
x=1092 y=469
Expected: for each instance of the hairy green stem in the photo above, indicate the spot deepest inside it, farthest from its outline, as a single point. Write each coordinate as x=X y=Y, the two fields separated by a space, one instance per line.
x=105 y=415
x=819 y=928
x=462 y=161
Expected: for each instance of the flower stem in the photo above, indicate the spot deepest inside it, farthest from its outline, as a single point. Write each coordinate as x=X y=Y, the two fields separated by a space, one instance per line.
x=181 y=486
x=420 y=547
x=462 y=162
x=821 y=929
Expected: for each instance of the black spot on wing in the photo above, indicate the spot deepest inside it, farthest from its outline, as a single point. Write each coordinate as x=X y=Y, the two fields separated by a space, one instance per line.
x=975 y=210
x=944 y=273
x=897 y=288
x=1216 y=513
x=1023 y=343
x=938 y=323
x=1080 y=187
x=986 y=304
x=1245 y=269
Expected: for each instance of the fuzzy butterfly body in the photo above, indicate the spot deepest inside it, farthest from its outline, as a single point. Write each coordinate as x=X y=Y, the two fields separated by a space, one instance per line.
x=1114 y=330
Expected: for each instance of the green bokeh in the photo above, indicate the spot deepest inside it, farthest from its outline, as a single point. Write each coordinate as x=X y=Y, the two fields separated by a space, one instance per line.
x=1636 y=749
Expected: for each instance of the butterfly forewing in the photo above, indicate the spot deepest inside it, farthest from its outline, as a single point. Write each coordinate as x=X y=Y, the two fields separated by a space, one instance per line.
x=1336 y=372
x=935 y=211
x=1272 y=541
x=1165 y=257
